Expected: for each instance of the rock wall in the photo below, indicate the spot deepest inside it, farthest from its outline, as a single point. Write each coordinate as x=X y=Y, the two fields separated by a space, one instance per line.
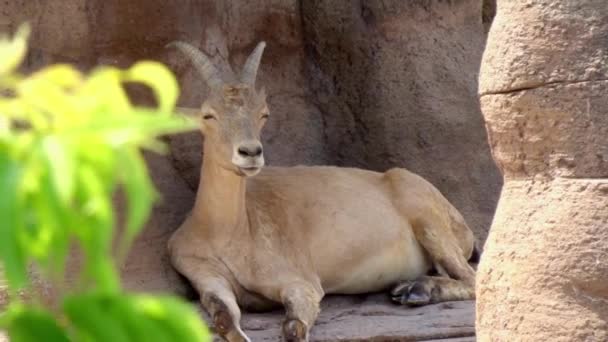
x=372 y=84
x=394 y=82
x=369 y=84
x=543 y=93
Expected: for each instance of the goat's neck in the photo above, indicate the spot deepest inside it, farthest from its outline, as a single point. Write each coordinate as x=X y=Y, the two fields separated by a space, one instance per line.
x=220 y=200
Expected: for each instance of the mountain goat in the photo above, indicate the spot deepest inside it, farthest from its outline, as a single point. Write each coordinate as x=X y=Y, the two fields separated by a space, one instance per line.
x=260 y=236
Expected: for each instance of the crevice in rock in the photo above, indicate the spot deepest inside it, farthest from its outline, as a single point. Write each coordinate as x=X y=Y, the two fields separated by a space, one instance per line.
x=539 y=85
x=445 y=338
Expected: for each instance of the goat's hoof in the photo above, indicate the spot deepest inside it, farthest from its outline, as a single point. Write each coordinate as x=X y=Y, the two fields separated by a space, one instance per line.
x=234 y=335
x=222 y=323
x=295 y=330
x=412 y=293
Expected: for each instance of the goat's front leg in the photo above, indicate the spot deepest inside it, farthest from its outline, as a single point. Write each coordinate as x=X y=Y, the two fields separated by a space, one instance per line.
x=218 y=299
x=301 y=301
x=220 y=303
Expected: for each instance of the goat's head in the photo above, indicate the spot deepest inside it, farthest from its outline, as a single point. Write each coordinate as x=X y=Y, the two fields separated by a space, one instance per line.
x=233 y=114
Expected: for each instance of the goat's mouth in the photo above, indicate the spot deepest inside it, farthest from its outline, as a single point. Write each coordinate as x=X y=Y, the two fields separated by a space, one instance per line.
x=249 y=171
x=247 y=167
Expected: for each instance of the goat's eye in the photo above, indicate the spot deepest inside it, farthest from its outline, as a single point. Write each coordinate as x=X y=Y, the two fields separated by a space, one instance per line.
x=208 y=117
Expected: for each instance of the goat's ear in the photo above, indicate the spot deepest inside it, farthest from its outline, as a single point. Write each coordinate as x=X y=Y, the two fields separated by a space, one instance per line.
x=204 y=126
x=206 y=116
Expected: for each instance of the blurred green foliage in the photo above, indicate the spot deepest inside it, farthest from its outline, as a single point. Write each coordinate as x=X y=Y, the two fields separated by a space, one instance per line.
x=67 y=142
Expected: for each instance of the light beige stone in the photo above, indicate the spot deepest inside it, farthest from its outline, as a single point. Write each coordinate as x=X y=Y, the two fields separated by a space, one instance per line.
x=538 y=42
x=543 y=94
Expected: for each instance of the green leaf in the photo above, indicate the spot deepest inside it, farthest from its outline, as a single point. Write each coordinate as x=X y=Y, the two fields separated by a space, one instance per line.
x=10 y=212
x=17 y=109
x=94 y=152
x=49 y=91
x=88 y=316
x=60 y=165
x=96 y=227
x=155 y=126
x=116 y=317
x=157 y=77
x=96 y=207
x=139 y=128
x=48 y=238
x=139 y=191
x=31 y=324
x=138 y=326
x=65 y=144
x=106 y=276
x=13 y=50
x=174 y=316
x=62 y=75
x=104 y=81
x=147 y=127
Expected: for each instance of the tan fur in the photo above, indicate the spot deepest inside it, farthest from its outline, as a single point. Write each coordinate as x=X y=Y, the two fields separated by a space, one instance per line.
x=291 y=235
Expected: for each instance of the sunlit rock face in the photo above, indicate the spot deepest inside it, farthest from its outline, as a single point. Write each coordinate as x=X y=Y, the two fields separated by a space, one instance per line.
x=543 y=92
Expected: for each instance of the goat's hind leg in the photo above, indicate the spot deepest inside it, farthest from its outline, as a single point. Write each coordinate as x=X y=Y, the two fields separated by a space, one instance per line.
x=446 y=255
x=431 y=289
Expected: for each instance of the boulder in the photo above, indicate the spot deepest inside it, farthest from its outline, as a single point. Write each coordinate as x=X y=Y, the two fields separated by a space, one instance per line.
x=542 y=89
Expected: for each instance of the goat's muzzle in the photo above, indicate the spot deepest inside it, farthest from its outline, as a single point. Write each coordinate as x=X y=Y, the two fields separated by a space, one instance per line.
x=248 y=157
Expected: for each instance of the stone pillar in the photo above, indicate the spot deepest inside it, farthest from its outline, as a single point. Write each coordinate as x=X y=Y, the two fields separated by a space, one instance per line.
x=544 y=95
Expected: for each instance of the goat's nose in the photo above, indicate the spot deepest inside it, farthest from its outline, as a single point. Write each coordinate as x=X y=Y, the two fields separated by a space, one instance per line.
x=250 y=150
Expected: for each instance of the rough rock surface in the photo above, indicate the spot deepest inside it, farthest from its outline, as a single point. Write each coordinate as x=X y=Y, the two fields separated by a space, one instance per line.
x=543 y=84
x=356 y=83
x=393 y=81
x=371 y=85
x=147 y=267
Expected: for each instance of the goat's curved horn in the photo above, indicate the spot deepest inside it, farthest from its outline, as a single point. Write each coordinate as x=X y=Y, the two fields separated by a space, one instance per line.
x=250 y=69
x=201 y=62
